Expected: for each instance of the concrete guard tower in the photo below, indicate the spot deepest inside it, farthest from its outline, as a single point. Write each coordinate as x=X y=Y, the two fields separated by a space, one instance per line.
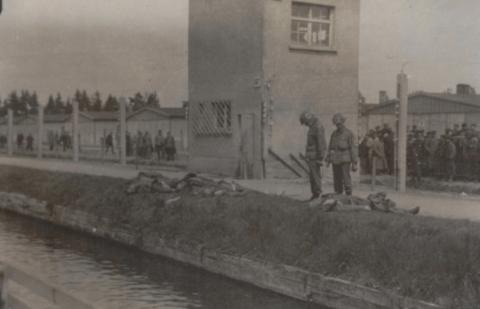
x=254 y=66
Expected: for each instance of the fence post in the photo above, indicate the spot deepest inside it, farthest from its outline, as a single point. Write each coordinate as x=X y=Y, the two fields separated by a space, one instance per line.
x=402 y=130
x=75 y=130
x=123 y=131
x=40 y=132
x=10 y=133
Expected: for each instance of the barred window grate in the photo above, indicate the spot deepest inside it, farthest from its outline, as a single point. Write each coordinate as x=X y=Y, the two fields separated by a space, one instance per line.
x=211 y=118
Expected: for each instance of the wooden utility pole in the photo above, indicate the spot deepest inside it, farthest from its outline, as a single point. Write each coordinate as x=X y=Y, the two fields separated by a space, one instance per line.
x=10 y=132
x=75 y=131
x=40 y=132
x=402 y=81
x=123 y=131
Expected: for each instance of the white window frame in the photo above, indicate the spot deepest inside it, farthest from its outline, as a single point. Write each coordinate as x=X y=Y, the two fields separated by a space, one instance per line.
x=310 y=20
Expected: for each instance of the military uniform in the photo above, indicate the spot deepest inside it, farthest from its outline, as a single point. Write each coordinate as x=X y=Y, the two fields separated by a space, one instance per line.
x=431 y=146
x=342 y=152
x=450 y=155
x=472 y=157
x=315 y=153
x=460 y=142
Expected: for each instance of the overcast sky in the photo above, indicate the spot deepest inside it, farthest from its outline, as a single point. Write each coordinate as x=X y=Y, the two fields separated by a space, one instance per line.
x=122 y=46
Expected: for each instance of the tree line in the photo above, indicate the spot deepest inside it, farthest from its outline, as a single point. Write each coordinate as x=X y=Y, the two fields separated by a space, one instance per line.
x=24 y=102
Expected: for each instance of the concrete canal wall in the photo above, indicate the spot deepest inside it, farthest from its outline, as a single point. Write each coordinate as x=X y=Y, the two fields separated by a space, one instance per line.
x=283 y=279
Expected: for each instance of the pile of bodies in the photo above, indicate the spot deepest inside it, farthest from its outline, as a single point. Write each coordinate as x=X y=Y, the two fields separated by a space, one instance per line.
x=198 y=185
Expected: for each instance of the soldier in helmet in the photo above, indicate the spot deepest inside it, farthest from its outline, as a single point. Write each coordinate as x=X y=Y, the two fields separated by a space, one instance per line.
x=342 y=154
x=315 y=151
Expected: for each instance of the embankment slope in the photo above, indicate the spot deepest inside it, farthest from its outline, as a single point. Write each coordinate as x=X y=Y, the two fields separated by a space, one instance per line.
x=430 y=259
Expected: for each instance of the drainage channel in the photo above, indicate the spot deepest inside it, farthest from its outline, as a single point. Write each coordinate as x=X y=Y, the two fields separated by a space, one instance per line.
x=115 y=276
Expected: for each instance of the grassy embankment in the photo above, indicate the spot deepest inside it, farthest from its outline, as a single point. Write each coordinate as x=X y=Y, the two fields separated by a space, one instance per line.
x=425 y=258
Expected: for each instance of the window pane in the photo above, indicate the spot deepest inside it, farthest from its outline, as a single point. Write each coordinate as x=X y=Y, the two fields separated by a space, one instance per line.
x=321 y=34
x=303 y=33
x=311 y=24
x=320 y=12
x=300 y=10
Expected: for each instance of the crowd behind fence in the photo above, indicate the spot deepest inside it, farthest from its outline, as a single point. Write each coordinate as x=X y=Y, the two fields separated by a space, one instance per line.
x=141 y=145
x=450 y=155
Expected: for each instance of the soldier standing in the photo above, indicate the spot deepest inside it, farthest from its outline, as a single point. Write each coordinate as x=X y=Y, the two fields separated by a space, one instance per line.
x=471 y=156
x=314 y=152
x=342 y=154
x=450 y=155
x=431 y=146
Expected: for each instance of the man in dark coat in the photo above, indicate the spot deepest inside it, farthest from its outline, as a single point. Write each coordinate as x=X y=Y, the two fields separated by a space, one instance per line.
x=30 y=142
x=431 y=146
x=342 y=154
x=314 y=151
x=170 y=148
x=450 y=153
x=471 y=153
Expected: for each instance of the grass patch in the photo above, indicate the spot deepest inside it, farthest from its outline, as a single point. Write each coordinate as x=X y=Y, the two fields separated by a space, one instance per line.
x=425 y=258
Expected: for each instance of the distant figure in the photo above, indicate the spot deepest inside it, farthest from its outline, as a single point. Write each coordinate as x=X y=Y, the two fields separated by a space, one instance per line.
x=449 y=157
x=20 y=141
x=118 y=139
x=471 y=154
x=29 y=142
x=159 y=145
x=56 y=141
x=139 y=144
x=377 y=153
x=51 y=140
x=431 y=146
x=342 y=154
x=460 y=141
x=3 y=140
x=414 y=158
x=170 y=148
x=388 y=139
x=473 y=129
x=314 y=151
x=363 y=155
x=109 y=143
x=456 y=129
x=64 y=140
x=128 y=139
x=148 y=145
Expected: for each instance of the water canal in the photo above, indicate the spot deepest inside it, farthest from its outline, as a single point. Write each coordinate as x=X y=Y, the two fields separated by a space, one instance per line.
x=114 y=276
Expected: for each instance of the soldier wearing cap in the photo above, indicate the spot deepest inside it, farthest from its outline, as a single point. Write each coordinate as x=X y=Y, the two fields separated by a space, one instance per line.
x=315 y=151
x=342 y=154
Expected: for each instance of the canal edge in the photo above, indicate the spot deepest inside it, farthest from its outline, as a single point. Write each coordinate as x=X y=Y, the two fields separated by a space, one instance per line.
x=283 y=279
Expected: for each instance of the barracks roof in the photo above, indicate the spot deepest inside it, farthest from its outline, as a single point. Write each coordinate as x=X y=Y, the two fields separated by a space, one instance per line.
x=431 y=103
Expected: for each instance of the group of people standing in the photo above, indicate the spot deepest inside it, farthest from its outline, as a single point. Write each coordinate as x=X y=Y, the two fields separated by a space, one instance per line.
x=455 y=155
x=341 y=153
x=377 y=150
x=25 y=142
x=58 y=140
x=142 y=145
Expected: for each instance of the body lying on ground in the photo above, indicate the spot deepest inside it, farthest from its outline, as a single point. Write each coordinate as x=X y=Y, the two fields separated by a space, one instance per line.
x=374 y=202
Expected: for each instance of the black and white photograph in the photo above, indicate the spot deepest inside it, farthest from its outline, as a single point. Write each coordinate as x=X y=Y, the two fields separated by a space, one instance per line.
x=239 y=154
